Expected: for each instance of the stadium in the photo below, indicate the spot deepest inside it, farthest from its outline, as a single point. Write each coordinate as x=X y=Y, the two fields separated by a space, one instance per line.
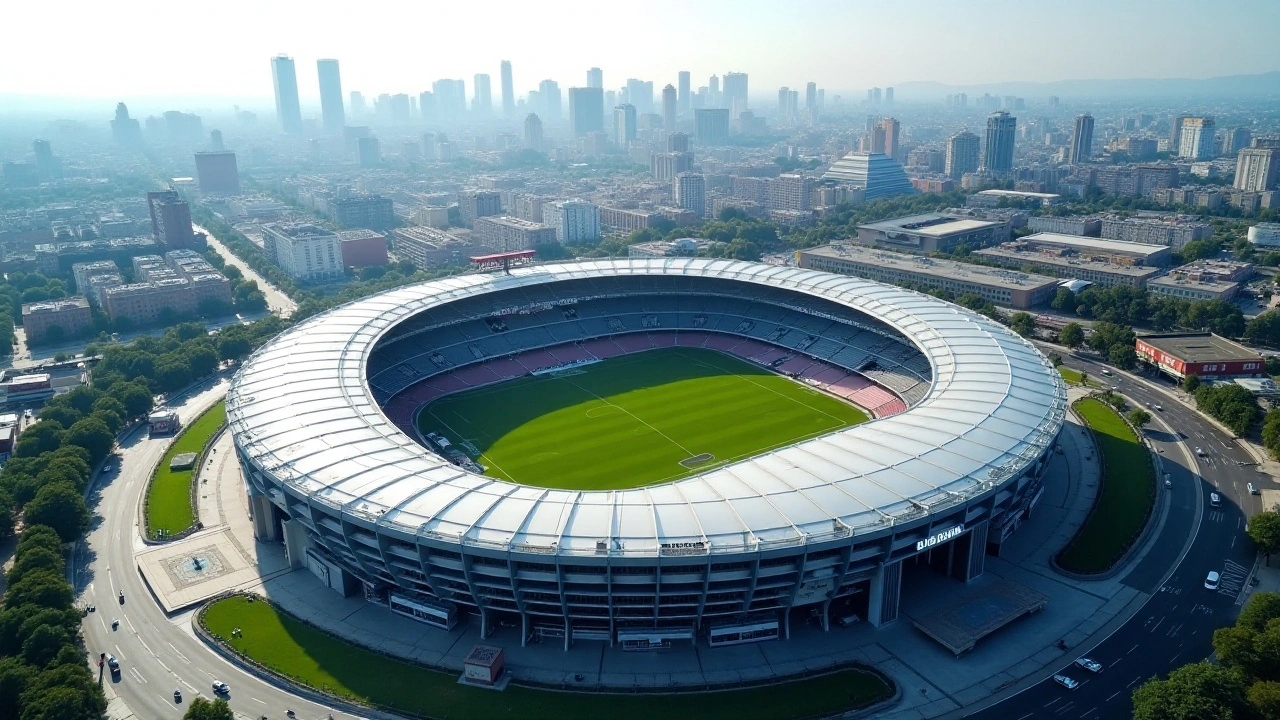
x=643 y=451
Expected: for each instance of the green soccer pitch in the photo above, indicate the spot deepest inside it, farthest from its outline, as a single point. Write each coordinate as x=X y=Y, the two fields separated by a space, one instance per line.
x=635 y=420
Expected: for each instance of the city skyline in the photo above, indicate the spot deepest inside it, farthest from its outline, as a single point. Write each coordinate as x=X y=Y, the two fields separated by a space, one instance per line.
x=383 y=64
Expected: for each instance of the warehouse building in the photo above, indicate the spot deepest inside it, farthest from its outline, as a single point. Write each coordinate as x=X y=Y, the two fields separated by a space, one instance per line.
x=1204 y=354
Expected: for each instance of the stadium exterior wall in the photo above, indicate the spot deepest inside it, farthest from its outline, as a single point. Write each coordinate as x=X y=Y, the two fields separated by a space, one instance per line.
x=676 y=588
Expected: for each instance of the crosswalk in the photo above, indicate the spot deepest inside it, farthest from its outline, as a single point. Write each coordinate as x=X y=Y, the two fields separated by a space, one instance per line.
x=1234 y=576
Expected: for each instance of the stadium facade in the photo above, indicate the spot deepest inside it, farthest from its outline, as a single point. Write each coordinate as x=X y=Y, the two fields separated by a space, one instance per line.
x=322 y=419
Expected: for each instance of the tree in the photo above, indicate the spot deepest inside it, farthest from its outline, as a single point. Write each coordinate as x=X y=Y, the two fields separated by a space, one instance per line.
x=14 y=677
x=1072 y=334
x=106 y=402
x=35 y=559
x=41 y=588
x=1191 y=383
x=1200 y=691
x=137 y=399
x=233 y=347
x=1264 y=329
x=1264 y=530
x=37 y=536
x=64 y=415
x=61 y=507
x=1262 y=608
x=44 y=643
x=1064 y=300
x=1264 y=696
x=42 y=437
x=1022 y=323
x=1138 y=417
x=93 y=435
x=1122 y=356
x=201 y=709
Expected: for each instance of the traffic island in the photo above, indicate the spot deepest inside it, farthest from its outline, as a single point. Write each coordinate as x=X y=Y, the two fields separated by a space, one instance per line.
x=170 y=510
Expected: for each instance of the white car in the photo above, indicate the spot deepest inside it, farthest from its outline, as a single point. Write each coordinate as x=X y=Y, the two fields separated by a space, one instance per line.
x=1211 y=581
x=1159 y=407
x=220 y=687
x=1066 y=682
x=1200 y=452
x=1253 y=489
x=1092 y=666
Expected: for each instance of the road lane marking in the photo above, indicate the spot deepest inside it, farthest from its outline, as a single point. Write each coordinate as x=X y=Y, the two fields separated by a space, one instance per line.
x=1113 y=695
x=180 y=655
x=138 y=675
x=1089 y=711
x=1052 y=702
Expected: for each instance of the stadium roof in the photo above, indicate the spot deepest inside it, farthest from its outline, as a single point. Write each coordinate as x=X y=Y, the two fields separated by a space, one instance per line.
x=301 y=408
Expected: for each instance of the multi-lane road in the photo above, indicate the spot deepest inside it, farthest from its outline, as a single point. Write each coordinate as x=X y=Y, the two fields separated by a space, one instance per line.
x=1176 y=624
x=157 y=653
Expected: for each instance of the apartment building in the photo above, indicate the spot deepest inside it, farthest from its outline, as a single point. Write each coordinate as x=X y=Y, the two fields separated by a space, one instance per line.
x=71 y=315
x=505 y=233
x=304 y=251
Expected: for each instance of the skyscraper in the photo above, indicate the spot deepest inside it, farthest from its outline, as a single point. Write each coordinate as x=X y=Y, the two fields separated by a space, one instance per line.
x=624 y=125
x=357 y=103
x=892 y=129
x=215 y=141
x=533 y=132
x=962 y=154
x=711 y=126
x=683 y=83
x=669 y=108
x=47 y=166
x=1235 y=140
x=549 y=96
x=888 y=96
x=595 y=78
x=735 y=92
x=677 y=142
x=691 y=193
x=1257 y=168
x=216 y=173
x=997 y=156
x=1175 y=134
x=640 y=94
x=586 y=110
x=784 y=104
x=714 y=100
x=1082 y=140
x=124 y=129
x=288 y=111
x=171 y=220
x=1197 y=140
x=331 y=110
x=482 y=103
x=508 y=90
x=811 y=101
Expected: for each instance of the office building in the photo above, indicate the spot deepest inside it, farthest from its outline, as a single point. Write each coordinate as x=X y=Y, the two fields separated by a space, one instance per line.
x=1265 y=234
x=997 y=155
x=878 y=174
x=963 y=154
x=1025 y=198
x=1077 y=226
x=304 y=251
x=216 y=173
x=56 y=320
x=533 y=132
x=735 y=92
x=47 y=166
x=998 y=285
x=288 y=110
x=624 y=125
x=369 y=152
x=373 y=212
x=669 y=108
x=1174 y=231
x=362 y=248
x=626 y=220
x=171 y=221
x=332 y=112
x=1191 y=282
x=574 y=221
x=682 y=98
x=586 y=111
x=1115 y=252
x=1081 y=141
x=215 y=141
x=1257 y=169
x=595 y=78
x=1235 y=139
x=640 y=94
x=932 y=232
x=504 y=233
x=690 y=193
x=482 y=103
x=508 y=91
x=477 y=204
x=889 y=129
x=429 y=247
x=124 y=129
x=1197 y=140
x=711 y=126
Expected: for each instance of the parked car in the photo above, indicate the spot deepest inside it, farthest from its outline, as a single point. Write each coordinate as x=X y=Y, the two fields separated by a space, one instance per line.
x=1091 y=665
x=1066 y=682
x=1211 y=580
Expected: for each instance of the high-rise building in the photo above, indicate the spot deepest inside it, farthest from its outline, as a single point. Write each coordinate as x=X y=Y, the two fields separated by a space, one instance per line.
x=677 y=142
x=1197 y=139
x=1235 y=140
x=683 y=87
x=574 y=220
x=962 y=154
x=508 y=91
x=784 y=104
x=215 y=141
x=332 y=112
x=1081 y=140
x=667 y=165
x=1175 y=133
x=811 y=101
x=624 y=125
x=691 y=193
x=586 y=111
x=357 y=103
x=171 y=220
x=288 y=110
x=533 y=132
x=369 y=151
x=997 y=155
x=216 y=172
x=873 y=96
x=450 y=98
x=711 y=126
x=595 y=78
x=714 y=98
x=877 y=174
x=1257 y=168
x=735 y=92
x=482 y=103
x=303 y=251
x=124 y=129
x=47 y=166
x=640 y=94
x=892 y=130
x=669 y=108
x=888 y=96
x=549 y=98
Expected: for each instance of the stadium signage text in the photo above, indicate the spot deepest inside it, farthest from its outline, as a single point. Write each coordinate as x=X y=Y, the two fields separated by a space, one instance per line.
x=937 y=538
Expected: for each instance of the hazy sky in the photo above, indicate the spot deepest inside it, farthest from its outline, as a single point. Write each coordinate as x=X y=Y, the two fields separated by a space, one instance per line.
x=139 y=48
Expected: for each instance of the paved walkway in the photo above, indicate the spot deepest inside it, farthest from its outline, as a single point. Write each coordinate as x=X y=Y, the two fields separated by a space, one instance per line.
x=934 y=682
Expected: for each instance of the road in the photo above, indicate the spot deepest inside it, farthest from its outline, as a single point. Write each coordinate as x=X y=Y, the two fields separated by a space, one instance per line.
x=1176 y=624
x=277 y=302
x=157 y=653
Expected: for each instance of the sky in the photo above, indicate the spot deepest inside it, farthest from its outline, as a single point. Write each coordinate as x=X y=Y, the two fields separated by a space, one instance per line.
x=222 y=48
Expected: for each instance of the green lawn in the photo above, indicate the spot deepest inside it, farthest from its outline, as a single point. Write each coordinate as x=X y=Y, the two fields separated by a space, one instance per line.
x=1128 y=492
x=1071 y=376
x=169 y=497
x=630 y=421
x=297 y=651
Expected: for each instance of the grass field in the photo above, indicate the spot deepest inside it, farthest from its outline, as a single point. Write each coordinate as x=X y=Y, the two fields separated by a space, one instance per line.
x=169 y=496
x=302 y=653
x=1128 y=492
x=632 y=420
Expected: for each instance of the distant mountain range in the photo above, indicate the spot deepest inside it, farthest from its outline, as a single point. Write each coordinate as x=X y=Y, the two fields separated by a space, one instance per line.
x=1260 y=85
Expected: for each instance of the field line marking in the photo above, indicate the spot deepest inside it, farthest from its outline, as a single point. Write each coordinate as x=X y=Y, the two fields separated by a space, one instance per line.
x=782 y=395
x=633 y=416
